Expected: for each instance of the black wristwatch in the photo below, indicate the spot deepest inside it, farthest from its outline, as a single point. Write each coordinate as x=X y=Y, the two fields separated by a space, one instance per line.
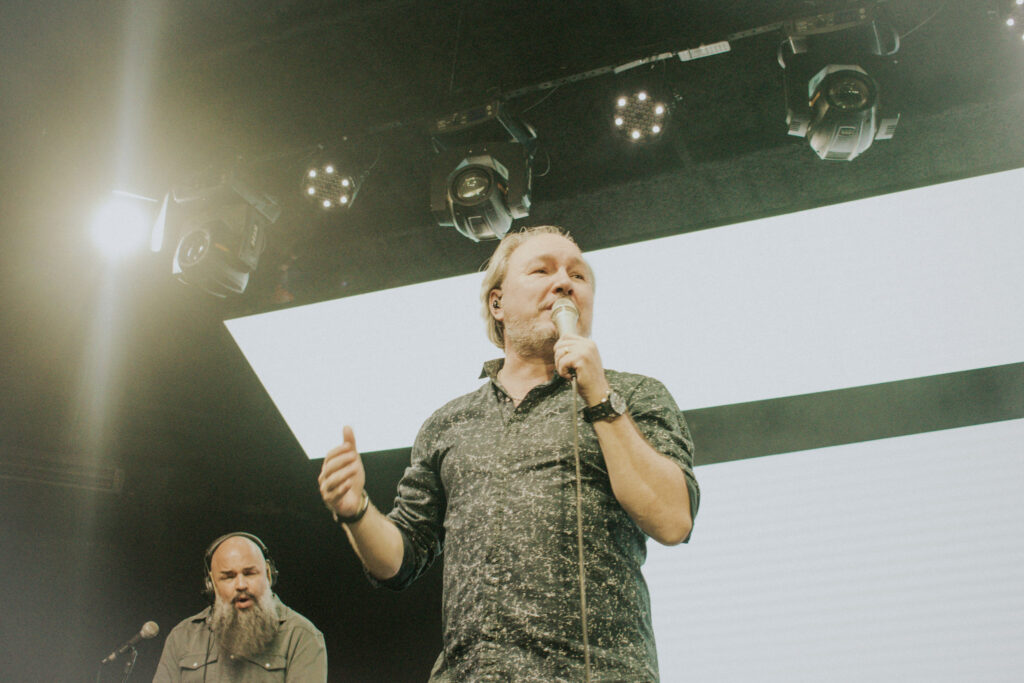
x=610 y=407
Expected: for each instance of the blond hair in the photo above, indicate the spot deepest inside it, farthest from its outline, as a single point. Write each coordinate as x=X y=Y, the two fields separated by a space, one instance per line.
x=497 y=267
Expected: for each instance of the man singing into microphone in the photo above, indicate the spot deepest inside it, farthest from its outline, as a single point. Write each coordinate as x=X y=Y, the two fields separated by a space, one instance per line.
x=493 y=484
x=248 y=634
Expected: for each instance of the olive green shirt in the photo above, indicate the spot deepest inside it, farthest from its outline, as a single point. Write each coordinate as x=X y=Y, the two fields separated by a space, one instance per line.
x=296 y=654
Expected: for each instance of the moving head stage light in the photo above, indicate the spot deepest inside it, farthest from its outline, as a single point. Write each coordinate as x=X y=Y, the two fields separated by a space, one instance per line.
x=222 y=229
x=481 y=179
x=839 y=110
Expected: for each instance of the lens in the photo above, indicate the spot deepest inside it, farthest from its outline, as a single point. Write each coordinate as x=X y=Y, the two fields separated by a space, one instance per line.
x=472 y=184
x=849 y=92
x=193 y=247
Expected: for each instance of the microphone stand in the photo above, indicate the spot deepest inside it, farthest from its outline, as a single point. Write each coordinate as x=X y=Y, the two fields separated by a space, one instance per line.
x=129 y=664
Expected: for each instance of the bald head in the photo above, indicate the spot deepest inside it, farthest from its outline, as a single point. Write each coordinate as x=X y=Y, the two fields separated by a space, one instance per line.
x=239 y=572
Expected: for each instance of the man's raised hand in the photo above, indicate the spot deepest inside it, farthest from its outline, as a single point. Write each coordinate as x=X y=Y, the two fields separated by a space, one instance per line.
x=342 y=477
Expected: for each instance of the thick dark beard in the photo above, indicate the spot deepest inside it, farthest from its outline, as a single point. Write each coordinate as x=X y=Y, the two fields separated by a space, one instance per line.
x=245 y=633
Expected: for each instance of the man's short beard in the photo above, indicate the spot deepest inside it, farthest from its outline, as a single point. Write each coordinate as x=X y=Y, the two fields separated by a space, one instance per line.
x=247 y=632
x=529 y=339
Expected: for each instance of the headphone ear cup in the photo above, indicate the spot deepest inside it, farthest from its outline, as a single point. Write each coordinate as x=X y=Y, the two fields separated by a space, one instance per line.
x=208 y=587
x=271 y=572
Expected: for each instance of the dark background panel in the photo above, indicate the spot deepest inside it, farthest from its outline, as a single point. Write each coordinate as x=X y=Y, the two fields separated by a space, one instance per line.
x=877 y=411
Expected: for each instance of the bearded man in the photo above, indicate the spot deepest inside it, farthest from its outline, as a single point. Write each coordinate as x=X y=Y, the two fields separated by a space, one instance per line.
x=248 y=634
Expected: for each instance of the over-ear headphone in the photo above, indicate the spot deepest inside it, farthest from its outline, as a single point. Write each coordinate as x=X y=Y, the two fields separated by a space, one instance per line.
x=208 y=588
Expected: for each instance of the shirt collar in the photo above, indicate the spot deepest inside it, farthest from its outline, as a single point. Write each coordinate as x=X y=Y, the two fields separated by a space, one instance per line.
x=491 y=368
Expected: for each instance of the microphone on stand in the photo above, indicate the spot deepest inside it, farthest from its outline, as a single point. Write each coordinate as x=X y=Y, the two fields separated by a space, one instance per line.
x=148 y=630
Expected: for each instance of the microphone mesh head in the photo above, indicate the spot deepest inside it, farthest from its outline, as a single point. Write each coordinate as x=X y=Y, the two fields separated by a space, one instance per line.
x=149 y=629
x=566 y=316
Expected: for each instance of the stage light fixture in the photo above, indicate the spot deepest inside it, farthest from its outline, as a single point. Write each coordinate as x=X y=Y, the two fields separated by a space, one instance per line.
x=640 y=116
x=1015 y=18
x=481 y=190
x=840 y=111
x=845 y=121
x=479 y=183
x=222 y=228
x=329 y=187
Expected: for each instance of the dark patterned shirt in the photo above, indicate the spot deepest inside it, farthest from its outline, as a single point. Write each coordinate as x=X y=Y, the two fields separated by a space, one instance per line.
x=493 y=486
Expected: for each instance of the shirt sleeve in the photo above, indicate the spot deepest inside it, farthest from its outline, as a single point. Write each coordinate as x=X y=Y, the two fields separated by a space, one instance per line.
x=664 y=426
x=419 y=509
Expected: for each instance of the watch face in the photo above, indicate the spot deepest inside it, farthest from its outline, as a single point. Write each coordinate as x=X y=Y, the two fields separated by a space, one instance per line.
x=610 y=408
x=617 y=402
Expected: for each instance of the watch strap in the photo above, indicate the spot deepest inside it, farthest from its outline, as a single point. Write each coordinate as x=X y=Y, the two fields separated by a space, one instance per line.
x=606 y=409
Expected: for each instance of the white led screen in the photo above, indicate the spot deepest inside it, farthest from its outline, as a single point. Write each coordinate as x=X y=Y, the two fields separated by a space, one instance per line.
x=910 y=284
x=893 y=560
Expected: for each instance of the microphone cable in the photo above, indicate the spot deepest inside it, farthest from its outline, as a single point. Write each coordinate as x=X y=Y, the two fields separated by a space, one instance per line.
x=565 y=315
x=579 y=529
x=209 y=644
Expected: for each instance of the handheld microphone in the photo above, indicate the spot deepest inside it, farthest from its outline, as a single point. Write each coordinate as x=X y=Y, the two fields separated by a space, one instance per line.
x=566 y=316
x=148 y=630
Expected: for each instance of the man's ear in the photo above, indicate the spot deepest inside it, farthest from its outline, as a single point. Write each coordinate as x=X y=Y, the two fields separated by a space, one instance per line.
x=494 y=305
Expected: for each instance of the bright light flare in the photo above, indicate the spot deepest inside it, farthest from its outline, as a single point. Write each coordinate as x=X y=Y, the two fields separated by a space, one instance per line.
x=121 y=226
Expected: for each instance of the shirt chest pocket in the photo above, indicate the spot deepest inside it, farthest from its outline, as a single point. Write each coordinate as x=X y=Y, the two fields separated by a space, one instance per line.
x=196 y=667
x=264 y=667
